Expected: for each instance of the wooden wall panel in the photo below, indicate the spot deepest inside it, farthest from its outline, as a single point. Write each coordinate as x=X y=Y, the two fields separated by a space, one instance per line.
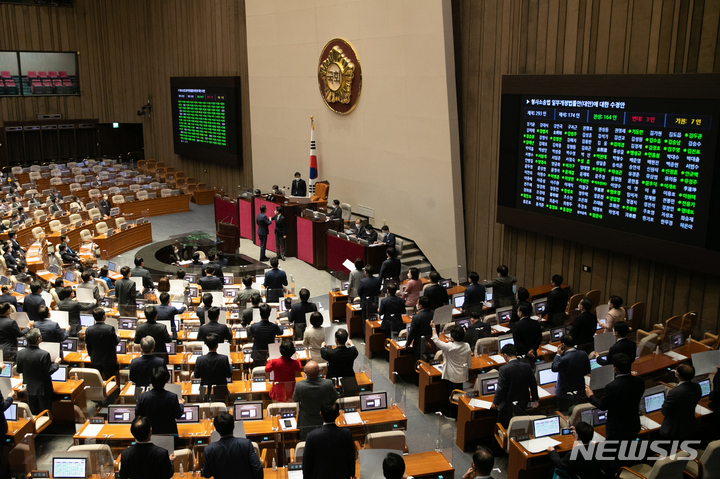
x=128 y=50
x=500 y=37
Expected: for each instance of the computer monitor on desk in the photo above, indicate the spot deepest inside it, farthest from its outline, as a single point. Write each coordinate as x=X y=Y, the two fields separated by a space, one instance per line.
x=489 y=386
x=705 y=387
x=549 y=426
x=458 y=300
x=121 y=414
x=69 y=467
x=504 y=340
x=539 y=306
x=503 y=315
x=654 y=402
x=373 y=401
x=248 y=411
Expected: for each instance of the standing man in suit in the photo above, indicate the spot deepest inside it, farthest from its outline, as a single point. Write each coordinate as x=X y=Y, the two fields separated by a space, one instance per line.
x=340 y=361
x=478 y=329
x=6 y=297
x=556 y=302
x=140 y=271
x=620 y=399
x=9 y=332
x=247 y=314
x=435 y=293
x=420 y=327
x=213 y=327
x=212 y=369
x=392 y=309
x=72 y=308
x=141 y=368
x=502 y=287
x=263 y=333
x=152 y=328
x=167 y=312
x=280 y=232
x=86 y=284
x=275 y=282
x=299 y=188
x=329 y=450
x=571 y=365
x=36 y=367
x=297 y=313
x=368 y=291
x=18 y=251
x=515 y=388
x=244 y=295
x=388 y=238
x=584 y=325
x=50 y=330
x=104 y=206
x=33 y=301
x=126 y=292
x=230 y=457
x=390 y=268
x=623 y=344
x=263 y=223
x=210 y=282
x=311 y=394
x=200 y=311
x=679 y=407
x=160 y=406
x=474 y=295
x=527 y=333
x=100 y=341
x=145 y=460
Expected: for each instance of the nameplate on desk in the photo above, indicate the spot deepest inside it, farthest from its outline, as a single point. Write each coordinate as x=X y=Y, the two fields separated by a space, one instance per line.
x=435 y=362
x=472 y=394
x=478 y=403
x=40 y=474
x=497 y=358
x=96 y=420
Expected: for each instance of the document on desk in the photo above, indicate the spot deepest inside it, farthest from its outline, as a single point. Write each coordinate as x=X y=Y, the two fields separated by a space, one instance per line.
x=401 y=343
x=131 y=390
x=195 y=388
x=92 y=430
x=550 y=347
x=703 y=411
x=258 y=386
x=353 y=418
x=479 y=403
x=676 y=356
x=500 y=329
x=15 y=382
x=539 y=445
x=497 y=358
x=648 y=423
x=542 y=393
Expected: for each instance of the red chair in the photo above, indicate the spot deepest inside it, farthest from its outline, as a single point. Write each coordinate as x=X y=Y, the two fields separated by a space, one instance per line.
x=42 y=74
x=62 y=74
x=31 y=77
x=11 y=87
x=47 y=86
x=36 y=88
x=58 y=86
x=5 y=75
x=52 y=74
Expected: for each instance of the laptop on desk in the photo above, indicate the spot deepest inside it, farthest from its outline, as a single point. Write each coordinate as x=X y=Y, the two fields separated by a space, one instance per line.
x=373 y=401
x=121 y=414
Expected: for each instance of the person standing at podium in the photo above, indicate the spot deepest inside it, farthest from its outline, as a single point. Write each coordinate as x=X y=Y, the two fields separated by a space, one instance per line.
x=299 y=188
x=263 y=224
x=280 y=233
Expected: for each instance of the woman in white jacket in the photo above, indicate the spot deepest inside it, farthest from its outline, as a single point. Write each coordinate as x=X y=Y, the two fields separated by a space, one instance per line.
x=457 y=359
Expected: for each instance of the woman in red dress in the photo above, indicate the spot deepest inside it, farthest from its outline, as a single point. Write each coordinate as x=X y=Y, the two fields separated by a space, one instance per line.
x=284 y=369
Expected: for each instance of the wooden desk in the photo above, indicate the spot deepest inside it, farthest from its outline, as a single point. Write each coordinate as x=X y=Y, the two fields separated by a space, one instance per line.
x=353 y=319
x=66 y=396
x=390 y=419
x=156 y=206
x=339 y=250
x=543 y=290
x=654 y=363
x=290 y=211
x=121 y=432
x=21 y=459
x=337 y=301
x=402 y=360
x=246 y=220
x=123 y=241
x=428 y=464
x=203 y=197
x=375 y=337
x=312 y=239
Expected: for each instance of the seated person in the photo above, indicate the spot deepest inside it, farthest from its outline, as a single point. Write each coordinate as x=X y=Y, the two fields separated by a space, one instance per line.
x=579 y=466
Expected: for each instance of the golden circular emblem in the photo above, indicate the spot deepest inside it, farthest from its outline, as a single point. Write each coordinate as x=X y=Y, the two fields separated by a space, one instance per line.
x=339 y=76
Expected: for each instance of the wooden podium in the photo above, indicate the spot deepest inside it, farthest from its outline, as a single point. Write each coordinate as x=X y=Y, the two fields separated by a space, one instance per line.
x=229 y=234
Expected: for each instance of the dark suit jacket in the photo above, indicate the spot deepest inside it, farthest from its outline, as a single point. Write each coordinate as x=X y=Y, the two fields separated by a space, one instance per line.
x=369 y=287
x=210 y=283
x=263 y=224
x=280 y=228
x=200 y=313
x=586 y=469
x=8 y=298
x=583 y=328
x=275 y=279
x=10 y=261
x=30 y=305
x=51 y=331
x=73 y=309
x=329 y=452
x=299 y=187
x=527 y=335
x=212 y=369
x=36 y=367
x=159 y=333
x=420 y=326
x=167 y=312
x=9 y=332
x=623 y=345
x=100 y=341
x=95 y=290
x=390 y=268
x=298 y=311
x=263 y=333
x=389 y=240
x=392 y=309
x=516 y=383
x=556 y=304
x=126 y=291
x=104 y=207
x=311 y=393
x=340 y=361
x=231 y=457
x=7 y=402
x=476 y=331
x=679 y=411
x=145 y=461
x=162 y=408
x=502 y=290
x=571 y=368
x=336 y=213
x=213 y=327
x=621 y=398
x=141 y=368
x=437 y=295
x=474 y=294
x=144 y=274
x=371 y=237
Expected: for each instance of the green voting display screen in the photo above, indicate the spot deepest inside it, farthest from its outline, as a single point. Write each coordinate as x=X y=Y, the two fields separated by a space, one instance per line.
x=205 y=110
